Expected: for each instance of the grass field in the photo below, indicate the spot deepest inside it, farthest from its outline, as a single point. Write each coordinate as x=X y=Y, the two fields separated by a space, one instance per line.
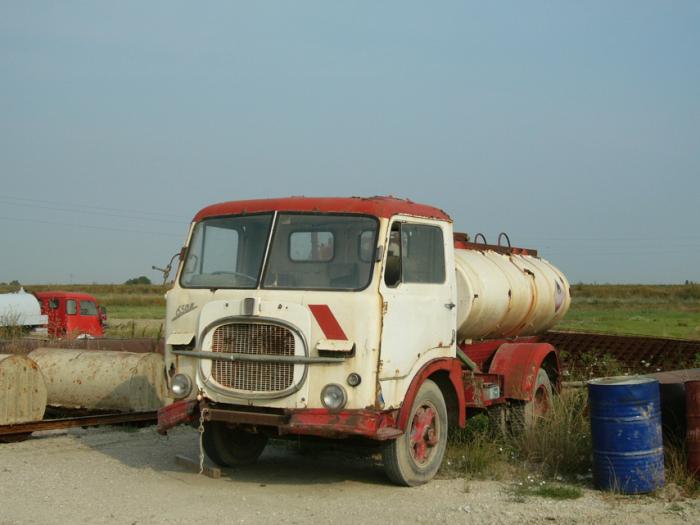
x=656 y=310
x=659 y=310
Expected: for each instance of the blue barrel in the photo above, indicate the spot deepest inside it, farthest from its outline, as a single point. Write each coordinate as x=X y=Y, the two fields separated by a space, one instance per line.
x=628 y=454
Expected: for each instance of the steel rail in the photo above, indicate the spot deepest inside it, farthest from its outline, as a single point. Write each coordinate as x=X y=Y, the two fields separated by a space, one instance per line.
x=81 y=421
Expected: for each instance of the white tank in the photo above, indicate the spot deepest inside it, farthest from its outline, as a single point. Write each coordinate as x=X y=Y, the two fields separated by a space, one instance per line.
x=20 y=309
x=501 y=295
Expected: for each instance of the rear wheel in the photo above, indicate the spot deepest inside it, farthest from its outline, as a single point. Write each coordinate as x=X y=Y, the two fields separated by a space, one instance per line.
x=415 y=457
x=525 y=415
x=230 y=447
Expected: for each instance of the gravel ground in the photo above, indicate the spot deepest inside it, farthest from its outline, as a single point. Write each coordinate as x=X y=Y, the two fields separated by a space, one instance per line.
x=108 y=475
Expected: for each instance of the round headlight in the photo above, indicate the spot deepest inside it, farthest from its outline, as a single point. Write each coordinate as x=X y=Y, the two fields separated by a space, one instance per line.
x=181 y=385
x=333 y=396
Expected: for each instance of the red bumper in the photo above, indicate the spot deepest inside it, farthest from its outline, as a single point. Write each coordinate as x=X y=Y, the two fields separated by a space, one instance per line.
x=379 y=425
x=175 y=414
x=326 y=423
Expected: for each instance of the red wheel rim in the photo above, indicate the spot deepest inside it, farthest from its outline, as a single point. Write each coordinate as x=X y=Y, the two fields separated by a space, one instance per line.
x=425 y=433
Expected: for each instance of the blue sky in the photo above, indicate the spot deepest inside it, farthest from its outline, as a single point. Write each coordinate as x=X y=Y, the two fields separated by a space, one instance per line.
x=573 y=126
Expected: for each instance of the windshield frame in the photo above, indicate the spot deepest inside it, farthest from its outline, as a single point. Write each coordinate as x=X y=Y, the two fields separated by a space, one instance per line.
x=271 y=234
x=263 y=262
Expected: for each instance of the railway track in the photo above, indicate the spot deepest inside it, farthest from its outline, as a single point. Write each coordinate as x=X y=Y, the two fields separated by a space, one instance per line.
x=594 y=354
x=21 y=431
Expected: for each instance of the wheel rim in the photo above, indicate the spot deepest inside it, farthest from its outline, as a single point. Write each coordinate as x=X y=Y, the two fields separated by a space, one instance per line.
x=425 y=433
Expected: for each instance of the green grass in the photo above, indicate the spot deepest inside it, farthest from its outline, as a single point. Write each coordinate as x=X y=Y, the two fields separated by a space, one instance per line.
x=521 y=490
x=653 y=310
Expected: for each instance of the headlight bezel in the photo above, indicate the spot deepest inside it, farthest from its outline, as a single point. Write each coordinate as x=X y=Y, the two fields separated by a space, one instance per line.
x=183 y=382
x=334 y=396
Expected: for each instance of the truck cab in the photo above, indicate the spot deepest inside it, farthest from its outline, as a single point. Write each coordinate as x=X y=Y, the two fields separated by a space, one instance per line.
x=331 y=317
x=72 y=315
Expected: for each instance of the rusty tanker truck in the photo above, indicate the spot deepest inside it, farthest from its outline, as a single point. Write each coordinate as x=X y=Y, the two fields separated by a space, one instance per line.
x=353 y=317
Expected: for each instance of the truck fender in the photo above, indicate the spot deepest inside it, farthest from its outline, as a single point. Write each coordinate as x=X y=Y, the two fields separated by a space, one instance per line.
x=453 y=368
x=519 y=363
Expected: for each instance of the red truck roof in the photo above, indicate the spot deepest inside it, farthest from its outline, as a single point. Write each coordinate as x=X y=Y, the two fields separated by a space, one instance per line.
x=64 y=295
x=376 y=206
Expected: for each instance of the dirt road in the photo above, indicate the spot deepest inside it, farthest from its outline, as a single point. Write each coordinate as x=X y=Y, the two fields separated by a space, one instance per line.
x=108 y=475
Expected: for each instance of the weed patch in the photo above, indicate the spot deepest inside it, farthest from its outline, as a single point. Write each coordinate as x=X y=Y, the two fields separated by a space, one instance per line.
x=559 y=443
x=521 y=490
x=679 y=482
x=478 y=451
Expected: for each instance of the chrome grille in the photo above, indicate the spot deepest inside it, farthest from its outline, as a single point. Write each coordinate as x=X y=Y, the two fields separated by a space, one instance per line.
x=253 y=339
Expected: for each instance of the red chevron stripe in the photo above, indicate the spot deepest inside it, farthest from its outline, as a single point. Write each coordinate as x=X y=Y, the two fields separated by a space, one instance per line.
x=327 y=321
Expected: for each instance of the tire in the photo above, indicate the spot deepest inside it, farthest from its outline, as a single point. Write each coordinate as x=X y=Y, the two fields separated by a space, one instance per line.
x=415 y=457
x=231 y=447
x=525 y=415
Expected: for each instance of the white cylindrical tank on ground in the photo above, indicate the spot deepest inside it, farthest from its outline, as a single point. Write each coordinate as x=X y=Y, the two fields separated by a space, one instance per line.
x=504 y=295
x=20 y=309
x=22 y=390
x=102 y=380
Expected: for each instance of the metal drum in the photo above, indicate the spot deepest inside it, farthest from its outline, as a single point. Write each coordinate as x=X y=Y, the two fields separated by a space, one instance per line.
x=628 y=453
x=692 y=407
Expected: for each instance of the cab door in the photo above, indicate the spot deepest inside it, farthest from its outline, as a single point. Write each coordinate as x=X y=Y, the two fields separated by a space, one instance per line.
x=418 y=291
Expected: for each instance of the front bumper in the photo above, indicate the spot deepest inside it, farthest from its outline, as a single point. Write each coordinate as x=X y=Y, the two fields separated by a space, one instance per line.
x=372 y=424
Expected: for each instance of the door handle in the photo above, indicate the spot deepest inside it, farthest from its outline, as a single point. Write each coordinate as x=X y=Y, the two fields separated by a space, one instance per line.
x=450 y=306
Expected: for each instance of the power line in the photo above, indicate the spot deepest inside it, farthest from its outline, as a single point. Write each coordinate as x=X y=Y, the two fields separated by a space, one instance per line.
x=93 y=207
x=80 y=211
x=90 y=226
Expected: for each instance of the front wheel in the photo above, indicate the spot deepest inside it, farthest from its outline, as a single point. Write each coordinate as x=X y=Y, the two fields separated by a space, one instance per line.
x=415 y=457
x=231 y=447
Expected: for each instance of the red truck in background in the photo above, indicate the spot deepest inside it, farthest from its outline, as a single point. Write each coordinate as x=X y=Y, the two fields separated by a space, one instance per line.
x=72 y=314
x=54 y=313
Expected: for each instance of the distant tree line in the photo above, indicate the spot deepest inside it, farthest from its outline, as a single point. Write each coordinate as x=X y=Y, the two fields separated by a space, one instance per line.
x=138 y=280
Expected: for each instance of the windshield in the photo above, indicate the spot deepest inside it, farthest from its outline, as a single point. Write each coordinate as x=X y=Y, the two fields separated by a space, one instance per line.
x=321 y=252
x=308 y=252
x=227 y=252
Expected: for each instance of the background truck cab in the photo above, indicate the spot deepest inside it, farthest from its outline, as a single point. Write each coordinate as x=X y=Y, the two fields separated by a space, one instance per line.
x=72 y=314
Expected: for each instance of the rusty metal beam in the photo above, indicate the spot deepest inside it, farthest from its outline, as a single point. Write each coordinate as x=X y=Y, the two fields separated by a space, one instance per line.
x=84 y=421
x=247 y=418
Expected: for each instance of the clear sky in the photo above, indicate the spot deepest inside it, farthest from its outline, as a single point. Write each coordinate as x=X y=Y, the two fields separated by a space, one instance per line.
x=573 y=126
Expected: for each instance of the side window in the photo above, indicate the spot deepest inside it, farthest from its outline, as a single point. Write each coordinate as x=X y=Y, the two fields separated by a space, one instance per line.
x=71 y=307
x=392 y=272
x=53 y=303
x=422 y=254
x=416 y=254
x=88 y=308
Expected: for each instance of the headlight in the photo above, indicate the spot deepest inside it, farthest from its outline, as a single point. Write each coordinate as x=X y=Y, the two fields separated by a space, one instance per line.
x=181 y=385
x=333 y=396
